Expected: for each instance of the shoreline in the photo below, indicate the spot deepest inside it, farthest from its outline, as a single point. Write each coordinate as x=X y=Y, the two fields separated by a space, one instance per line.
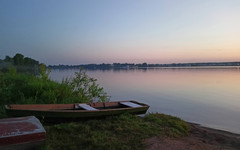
x=214 y=130
x=199 y=138
x=222 y=131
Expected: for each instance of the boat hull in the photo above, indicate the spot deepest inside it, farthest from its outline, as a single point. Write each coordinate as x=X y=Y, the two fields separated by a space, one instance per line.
x=21 y=133
x=76 y=114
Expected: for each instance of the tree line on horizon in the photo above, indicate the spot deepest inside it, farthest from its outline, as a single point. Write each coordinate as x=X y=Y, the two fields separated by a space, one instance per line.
x=143 y=65
x=19 y=61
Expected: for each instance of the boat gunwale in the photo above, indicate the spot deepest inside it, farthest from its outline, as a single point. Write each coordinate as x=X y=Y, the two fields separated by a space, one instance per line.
x=77 y=110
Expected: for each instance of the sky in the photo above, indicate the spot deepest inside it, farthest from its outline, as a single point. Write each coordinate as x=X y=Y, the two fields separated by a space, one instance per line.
x=134 y=31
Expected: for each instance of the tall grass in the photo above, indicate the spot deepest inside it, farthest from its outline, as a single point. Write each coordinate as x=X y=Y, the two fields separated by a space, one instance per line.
x=18 y=88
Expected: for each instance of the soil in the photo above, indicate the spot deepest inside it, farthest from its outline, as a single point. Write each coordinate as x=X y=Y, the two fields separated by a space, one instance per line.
x=200 y=138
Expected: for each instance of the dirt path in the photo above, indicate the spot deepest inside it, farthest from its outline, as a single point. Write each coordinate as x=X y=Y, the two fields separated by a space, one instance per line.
x=200 y=138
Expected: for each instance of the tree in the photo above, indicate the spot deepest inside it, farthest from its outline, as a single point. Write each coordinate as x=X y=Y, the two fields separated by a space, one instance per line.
x=8 y=59
x=30 y=62
x=18 y=59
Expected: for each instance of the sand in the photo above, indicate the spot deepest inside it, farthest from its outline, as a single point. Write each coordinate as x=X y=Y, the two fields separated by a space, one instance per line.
x=200 y=138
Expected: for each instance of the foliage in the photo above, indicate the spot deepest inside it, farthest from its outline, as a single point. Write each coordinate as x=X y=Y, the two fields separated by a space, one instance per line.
x=44 y=71
x=2 y=112
x=12 y=70
x=116 y=132
x=8 y=59
x=18 y=59
x=21 y=63
x=18 y=88
x=85 y=87
x=30 y=62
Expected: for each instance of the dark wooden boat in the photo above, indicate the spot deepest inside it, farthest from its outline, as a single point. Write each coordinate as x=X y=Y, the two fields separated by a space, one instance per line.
x=21 y=133
x=77 y=111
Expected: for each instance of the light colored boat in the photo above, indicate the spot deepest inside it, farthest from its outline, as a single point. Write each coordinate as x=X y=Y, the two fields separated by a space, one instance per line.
x=21 y=133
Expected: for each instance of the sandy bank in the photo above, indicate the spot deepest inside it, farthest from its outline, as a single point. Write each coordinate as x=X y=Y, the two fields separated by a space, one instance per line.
x=200 y=138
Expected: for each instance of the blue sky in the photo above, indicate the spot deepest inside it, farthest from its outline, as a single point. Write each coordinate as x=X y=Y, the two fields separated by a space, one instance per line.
x=107 y=31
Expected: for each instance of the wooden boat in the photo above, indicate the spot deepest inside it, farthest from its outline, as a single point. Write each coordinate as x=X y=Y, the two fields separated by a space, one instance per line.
x=77 y=111
x=21 y=133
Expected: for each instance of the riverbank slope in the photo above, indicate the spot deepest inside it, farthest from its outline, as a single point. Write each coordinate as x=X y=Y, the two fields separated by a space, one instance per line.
x=199 y=138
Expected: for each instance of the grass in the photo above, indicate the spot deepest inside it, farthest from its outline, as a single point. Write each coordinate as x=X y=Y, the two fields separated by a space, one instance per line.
x=118 y=132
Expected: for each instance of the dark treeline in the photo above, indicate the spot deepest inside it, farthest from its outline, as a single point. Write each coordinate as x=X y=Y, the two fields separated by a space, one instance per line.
x=143 y=65
x=20 y=62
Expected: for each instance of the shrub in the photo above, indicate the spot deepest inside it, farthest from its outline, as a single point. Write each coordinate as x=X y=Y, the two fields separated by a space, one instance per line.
x=85 y=87
x=28 y=89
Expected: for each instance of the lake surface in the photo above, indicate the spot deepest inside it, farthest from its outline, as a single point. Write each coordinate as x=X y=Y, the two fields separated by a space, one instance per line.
x=207 y=96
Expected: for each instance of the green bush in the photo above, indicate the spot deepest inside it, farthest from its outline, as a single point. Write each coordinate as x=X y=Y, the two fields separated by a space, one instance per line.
x=28 y=89
x=85 y=87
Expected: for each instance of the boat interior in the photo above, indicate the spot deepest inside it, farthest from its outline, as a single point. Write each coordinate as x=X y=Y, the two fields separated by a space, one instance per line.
x=78 y=106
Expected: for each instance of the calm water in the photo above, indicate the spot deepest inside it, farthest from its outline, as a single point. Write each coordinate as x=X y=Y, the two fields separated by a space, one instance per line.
x=210 y=97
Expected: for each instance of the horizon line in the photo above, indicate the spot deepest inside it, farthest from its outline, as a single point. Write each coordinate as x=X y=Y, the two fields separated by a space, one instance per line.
x=152 y=63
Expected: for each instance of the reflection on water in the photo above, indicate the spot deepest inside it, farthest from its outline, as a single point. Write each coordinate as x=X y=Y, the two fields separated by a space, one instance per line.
x=210 y=97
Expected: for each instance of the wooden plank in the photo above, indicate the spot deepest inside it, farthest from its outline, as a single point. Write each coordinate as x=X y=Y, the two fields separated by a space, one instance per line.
x=86 y=107
x=130 y=104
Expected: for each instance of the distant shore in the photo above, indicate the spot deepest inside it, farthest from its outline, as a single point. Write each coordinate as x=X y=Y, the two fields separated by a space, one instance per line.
x=152 y=68
x=104 y=66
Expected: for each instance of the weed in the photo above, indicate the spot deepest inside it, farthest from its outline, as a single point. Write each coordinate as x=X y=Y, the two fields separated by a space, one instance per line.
x=117 y=132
